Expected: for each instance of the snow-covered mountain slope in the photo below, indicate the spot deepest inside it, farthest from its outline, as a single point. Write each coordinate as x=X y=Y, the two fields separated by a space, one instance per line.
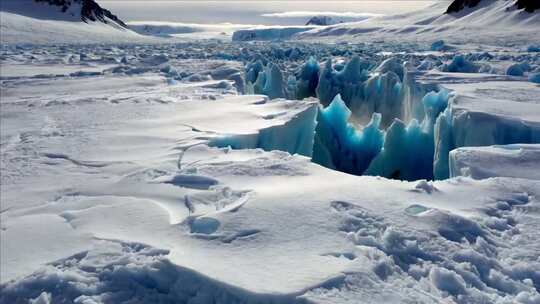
x=65 y=10
x=61 y=21
x=488 y=22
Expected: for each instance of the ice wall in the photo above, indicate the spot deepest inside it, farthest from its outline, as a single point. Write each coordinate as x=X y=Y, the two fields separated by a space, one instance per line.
x=273 y=87
x=458 y=127
x=340 y=145
x=390 y=119
x=409 y=150
x=295 y=135
x=388 y=97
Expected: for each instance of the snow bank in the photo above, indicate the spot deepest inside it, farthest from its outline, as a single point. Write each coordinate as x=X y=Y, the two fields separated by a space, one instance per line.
x=517 y=160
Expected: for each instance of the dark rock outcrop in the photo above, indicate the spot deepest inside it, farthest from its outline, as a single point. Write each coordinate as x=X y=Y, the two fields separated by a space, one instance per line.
x=459 y=5
x=90 y=11
x=528 y=5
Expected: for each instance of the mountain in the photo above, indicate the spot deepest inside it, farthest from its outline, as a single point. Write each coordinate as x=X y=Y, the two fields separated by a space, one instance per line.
x=61 y=21
x=459 y=21
x=458 y=5
x=66 y=10
x=528 y=5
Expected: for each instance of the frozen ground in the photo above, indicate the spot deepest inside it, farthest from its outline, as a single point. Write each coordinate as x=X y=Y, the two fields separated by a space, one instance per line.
x=142 y=173
x=138 y=169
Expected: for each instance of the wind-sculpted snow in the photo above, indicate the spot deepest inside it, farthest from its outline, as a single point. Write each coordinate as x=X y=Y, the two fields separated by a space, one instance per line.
x=117 y=272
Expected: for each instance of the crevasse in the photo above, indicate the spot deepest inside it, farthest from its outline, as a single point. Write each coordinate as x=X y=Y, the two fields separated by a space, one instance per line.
x=379 y=120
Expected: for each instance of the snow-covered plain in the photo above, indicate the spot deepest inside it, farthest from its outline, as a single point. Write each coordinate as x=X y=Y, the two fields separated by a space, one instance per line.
x=269 y=172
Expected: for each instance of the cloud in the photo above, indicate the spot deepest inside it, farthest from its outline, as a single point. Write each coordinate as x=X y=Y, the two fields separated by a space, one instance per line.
x=299 y=14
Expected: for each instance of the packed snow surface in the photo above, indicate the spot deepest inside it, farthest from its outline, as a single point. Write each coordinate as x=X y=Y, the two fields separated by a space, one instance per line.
x=270 y=172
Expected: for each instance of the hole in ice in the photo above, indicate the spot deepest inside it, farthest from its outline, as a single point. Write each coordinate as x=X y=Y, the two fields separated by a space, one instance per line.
x=416 y=209
x=348 y=255
x=193 y=181
x=373 y=118
x=204 y=225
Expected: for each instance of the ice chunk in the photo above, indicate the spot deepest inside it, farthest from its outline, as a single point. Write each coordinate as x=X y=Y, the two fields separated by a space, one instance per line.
x=327 y=88
x=447 y=280
x=517 y=69
x=308 y=79
x=434 y=104
x=440 y=46
x=382 y=94
x=460 y=64
x=407 y=153
x=535 y=77
x=252 y=71
x=533 y=48
x=43 y=298
x=392 y=64
x=292 y=132
x=273 y=87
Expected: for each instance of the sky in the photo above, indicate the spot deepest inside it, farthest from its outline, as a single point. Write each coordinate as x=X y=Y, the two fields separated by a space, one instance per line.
x=252 y=12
